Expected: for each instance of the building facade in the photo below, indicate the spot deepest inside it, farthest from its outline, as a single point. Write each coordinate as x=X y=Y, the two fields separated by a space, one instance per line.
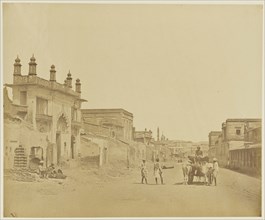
x=48 y=118
x=247 y=156
x=234 y=135
x=116 y=123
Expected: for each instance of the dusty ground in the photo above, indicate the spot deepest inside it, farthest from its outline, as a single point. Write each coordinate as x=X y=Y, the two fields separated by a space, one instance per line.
x=102 y=193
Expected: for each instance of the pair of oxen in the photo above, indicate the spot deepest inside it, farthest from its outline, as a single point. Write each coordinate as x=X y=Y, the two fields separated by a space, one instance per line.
x=198 y=168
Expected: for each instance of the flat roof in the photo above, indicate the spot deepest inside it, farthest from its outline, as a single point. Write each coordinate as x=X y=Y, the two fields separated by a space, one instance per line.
x=243 y=120
x=110 y=110
x=215 y=132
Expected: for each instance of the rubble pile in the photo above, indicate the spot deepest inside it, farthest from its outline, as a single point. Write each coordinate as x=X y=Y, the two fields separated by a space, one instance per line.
x=23 y=175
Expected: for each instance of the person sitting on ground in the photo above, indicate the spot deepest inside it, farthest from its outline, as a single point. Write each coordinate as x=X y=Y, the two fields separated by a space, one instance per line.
x=52 y=171
x=60 y=174
x=41 y=169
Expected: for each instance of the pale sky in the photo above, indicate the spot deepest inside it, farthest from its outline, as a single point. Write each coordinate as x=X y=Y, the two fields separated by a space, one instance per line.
x=184 y=68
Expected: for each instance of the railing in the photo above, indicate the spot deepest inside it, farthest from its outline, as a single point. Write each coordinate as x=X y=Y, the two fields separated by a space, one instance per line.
x=20 y=108
x=45 y=83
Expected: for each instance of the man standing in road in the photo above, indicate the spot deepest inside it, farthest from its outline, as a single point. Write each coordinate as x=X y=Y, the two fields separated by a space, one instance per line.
x=215 y=170
x=144 y=172
x=158 y=171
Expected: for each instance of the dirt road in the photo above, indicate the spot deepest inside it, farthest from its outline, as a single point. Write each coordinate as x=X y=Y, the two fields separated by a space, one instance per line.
x=97 y=193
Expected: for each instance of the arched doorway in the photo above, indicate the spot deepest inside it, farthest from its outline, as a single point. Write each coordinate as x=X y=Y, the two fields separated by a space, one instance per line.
x=73 y=146
x=61 y=128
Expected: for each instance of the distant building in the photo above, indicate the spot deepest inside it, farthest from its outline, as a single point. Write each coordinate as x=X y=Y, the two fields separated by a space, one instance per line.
x=43 y=120
x=115 y=123
x=213 y=138
x=144 y=137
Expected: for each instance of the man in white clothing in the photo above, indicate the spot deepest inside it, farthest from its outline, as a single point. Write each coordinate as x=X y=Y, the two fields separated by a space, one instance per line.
x=215 y=170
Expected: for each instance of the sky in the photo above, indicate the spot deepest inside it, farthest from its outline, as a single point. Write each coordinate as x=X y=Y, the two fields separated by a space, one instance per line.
x=182 y=68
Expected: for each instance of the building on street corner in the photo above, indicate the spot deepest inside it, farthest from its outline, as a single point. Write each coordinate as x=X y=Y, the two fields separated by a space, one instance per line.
x=43 y=120
x=238 y=145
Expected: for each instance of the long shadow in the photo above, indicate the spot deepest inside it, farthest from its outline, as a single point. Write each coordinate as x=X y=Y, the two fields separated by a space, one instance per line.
x=191 y=184
x=198 y=184
x=152 y=184
x=179 y=183
x=176 y=184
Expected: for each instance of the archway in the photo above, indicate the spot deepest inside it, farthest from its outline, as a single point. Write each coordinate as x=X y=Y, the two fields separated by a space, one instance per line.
x=61 y=128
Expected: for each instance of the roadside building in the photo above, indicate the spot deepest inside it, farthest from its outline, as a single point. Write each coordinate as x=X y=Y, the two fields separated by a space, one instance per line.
x=247 y=156
x=94 y=150
x=235 y=133
x=115 y=123
x=43 y=120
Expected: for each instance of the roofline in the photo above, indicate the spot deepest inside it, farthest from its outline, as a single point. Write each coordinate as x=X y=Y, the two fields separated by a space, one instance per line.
x=215 y=132
x=252 y=129
x=106 y=110
x=36 y=85
x=243 y=119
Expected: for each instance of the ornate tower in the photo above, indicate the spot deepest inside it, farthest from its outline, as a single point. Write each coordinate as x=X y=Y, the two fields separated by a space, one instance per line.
x=17 y=67
x=53 y=73
x=158 y=134
x=32 y=66
x=69 y=80
x=78 y=86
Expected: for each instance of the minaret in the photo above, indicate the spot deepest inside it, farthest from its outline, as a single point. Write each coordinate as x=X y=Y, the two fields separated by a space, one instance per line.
x=17 y=67
x=158 y=134
x=52 y=74
x=69 y=79
x=32 y=66
x=78 y=86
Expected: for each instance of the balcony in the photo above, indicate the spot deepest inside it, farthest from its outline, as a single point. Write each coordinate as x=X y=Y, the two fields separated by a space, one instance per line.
x=43 y=117
x=20 y=110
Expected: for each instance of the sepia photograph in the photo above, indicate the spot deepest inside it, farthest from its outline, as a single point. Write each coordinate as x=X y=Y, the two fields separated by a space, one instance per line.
x=132 y=109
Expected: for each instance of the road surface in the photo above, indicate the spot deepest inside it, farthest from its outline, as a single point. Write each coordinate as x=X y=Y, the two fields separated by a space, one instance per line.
x=119 y=193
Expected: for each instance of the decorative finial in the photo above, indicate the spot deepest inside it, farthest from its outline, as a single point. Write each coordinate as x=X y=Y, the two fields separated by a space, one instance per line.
x=78 y=86
x=32 y=58
x=17 y=59
x=52 y=73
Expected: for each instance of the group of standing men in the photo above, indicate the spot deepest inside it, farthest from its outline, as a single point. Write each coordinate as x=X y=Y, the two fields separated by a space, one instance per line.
x=213 y=169
x=157 y=172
